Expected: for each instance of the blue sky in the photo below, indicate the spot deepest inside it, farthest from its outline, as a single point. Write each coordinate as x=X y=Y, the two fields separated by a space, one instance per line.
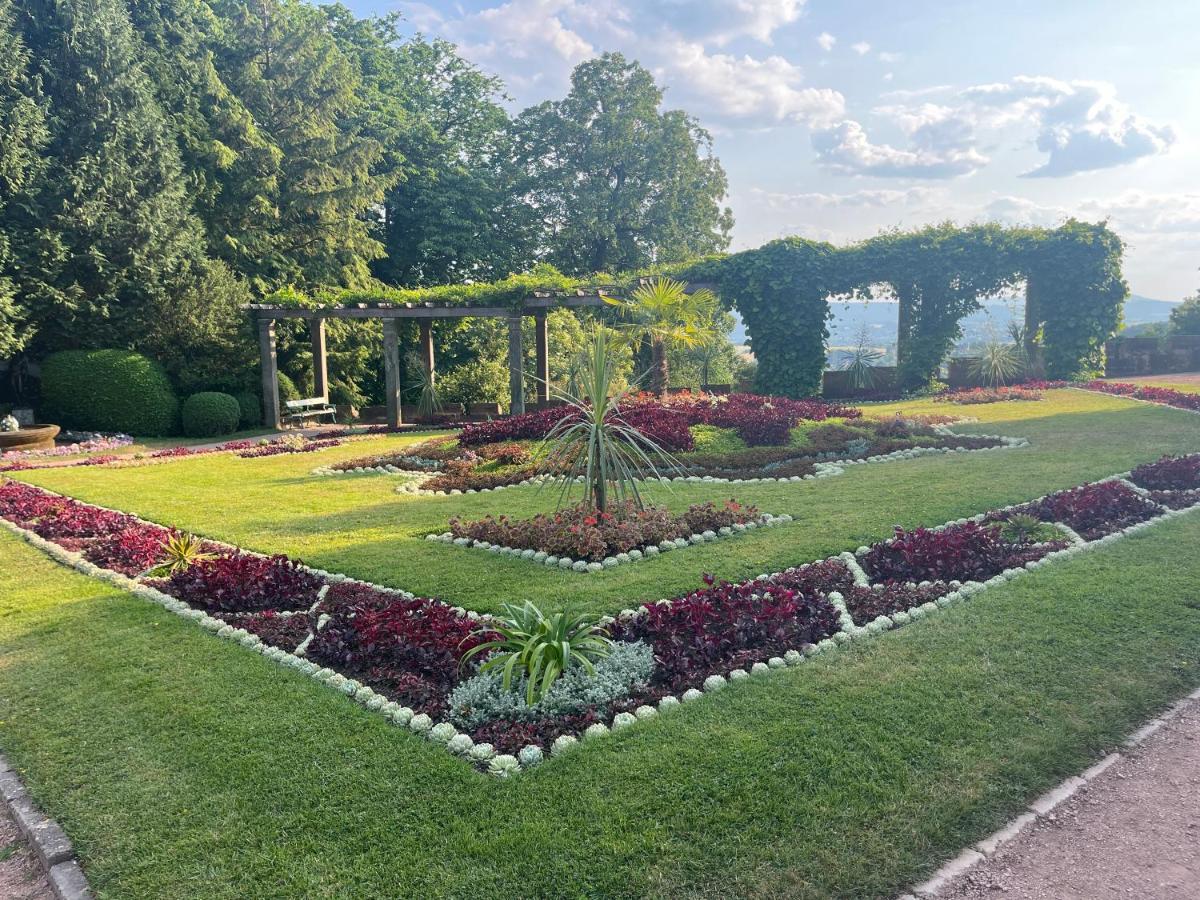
x=836 y=118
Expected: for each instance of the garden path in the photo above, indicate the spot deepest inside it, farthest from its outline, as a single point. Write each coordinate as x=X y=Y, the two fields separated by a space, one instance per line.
x=21 y=875
x=1134 y=832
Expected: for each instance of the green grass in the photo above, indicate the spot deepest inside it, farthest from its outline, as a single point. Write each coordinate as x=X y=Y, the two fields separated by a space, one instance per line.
x=184 y=766
x=360 y=526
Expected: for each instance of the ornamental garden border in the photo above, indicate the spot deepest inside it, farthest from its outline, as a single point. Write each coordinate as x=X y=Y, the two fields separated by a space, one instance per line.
x=503 y=764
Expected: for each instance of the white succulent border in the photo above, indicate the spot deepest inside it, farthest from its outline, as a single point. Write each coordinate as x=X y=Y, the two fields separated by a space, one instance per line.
x=506 y=765
x=766 y=520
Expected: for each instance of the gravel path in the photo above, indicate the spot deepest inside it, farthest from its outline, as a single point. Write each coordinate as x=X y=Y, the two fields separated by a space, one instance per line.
x=1134 y=832
x=21 y=876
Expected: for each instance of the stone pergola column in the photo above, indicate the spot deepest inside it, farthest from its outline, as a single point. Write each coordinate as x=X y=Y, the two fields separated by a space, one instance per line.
x=270 y=373
x=316 y=333
x=516 y=366
x=427 y=348
x=542 y=341
x=391 y=372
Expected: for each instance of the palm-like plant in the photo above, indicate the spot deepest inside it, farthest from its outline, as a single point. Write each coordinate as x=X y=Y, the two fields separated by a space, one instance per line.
x=539 y=647
x=859 y=365
x=425 y=388
x=998 y=363
x=594 y=443
x=664 y=313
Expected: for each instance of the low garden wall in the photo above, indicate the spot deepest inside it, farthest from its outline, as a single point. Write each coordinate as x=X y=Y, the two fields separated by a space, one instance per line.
x=1151 y=355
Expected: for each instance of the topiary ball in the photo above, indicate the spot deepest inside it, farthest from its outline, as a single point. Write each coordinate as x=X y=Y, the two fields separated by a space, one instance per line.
x=210 y=414
x=108 y=390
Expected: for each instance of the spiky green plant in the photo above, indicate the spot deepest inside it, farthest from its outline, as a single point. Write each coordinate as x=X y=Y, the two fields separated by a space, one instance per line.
x=424 y=388
x=593 y=443
x=182 y=551
x=667 y=315
x=539 y=647
x=1022 y=528
x=998 y=363
x=859 y=365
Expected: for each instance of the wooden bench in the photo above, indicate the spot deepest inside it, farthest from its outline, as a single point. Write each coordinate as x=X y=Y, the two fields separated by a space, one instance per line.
x=311 y=408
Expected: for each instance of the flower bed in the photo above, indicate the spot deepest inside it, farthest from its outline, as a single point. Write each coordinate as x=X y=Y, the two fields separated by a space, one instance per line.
x=963 y=552
x=580 y=534
x=1171 y=473
x=758 y=420
x=400 y=655
x=1161 y=395
x=1094 y=510
x=973 y=396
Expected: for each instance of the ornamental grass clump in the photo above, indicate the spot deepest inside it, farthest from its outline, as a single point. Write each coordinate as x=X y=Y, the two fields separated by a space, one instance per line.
x=538 y=647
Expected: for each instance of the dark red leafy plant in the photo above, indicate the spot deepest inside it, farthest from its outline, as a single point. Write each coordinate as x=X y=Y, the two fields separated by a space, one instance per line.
x=1094 y=510
x=1171 y=473
x=242 y=582
x=869 y=603
x=130 y=551
x=968 y=552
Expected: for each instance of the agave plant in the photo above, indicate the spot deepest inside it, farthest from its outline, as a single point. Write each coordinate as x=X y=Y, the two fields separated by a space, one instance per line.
x=594 y=443
x=859 y=365
x=539 y=647
x=667 y=315
x=182 y=551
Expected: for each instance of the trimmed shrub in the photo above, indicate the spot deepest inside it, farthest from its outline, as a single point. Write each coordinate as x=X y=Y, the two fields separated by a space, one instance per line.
x=250 y=404
x=108 y=390
x=287 y=389
x=210 y=413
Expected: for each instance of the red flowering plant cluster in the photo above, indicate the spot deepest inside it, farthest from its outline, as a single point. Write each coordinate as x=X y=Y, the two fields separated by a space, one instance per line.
x=724 y=626
x=287 y=445
x=583 y=533
x=244 y=582
x=980 y=395
x=1167 y=396
x=1094 y=510
x=966 y=552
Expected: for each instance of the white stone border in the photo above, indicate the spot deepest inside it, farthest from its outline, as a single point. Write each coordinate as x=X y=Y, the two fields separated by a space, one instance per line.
x=766 y=520
x=505 y=765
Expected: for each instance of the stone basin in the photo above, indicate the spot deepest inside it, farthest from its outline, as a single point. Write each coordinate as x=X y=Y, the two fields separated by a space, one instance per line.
x=33 y=437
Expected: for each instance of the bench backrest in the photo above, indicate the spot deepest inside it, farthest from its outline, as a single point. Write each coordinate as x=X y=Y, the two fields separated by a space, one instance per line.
x=310 y=401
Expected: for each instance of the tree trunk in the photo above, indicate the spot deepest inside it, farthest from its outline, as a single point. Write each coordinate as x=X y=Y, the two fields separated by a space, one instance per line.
x=660 y=376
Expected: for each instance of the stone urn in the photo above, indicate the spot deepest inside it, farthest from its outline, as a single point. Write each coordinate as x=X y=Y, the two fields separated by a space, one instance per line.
x=32 y=437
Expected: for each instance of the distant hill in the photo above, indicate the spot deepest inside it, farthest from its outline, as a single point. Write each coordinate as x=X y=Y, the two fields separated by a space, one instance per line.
x=879 y=317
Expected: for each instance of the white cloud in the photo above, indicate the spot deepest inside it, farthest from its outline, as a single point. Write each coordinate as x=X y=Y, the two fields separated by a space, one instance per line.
x=846 y=150
x=867 y=198
x=887 y=57
x=862 y=48
x=745 y=90
x=825 y=41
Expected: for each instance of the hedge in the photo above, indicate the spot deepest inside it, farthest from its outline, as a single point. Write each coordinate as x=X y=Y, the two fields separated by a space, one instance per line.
x=251 y=407
x=108 y=390
x=210 y=414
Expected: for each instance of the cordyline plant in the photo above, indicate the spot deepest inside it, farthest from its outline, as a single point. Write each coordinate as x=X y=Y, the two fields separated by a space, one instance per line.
x=540 y=647
x=594 y=442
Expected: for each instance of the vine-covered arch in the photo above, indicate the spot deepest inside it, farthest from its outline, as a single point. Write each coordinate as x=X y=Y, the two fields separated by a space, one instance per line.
x=938 y=274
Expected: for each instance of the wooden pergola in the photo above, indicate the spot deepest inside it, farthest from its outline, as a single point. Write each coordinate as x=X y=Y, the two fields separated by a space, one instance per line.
x=536 y=305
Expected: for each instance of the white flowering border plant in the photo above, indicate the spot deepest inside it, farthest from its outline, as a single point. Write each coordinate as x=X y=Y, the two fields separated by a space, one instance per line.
x=484 y=755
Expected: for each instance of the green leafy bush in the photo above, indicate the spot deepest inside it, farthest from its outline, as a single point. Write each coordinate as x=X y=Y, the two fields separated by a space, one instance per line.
x=108 y=390
x=210 y=413
x=711 y=439
x=288 y=389
x=250 y=404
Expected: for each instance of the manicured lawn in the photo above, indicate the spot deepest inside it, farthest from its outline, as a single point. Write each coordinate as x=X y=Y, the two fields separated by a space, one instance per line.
x=184 y=766
x=360 y=526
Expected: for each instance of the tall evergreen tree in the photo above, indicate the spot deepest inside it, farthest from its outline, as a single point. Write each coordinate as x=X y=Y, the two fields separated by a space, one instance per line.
x=619 y=184
x=23 y=135
x=112 y=254
x=280 y=60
